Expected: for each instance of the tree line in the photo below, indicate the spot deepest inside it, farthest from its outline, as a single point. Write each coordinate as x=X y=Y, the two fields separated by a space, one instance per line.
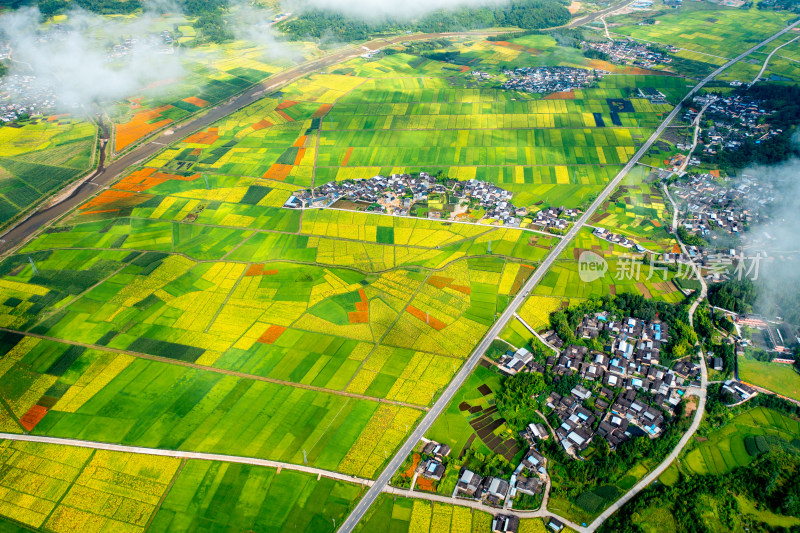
x=526 y=14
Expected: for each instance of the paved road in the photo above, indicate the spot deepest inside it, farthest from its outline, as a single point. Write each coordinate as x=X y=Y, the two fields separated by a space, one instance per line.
x=394 y=464
x=766 y=61
x=28 y=227
x=698 y=415
x=185 y=455
x=591 y=17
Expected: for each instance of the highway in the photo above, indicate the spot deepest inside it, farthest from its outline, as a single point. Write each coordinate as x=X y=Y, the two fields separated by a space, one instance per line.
x=105 y=176
x=394 y=463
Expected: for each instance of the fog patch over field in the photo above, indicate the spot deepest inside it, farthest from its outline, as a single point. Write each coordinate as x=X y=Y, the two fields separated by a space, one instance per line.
x=252 y=24
x=374 y=10
x=72 y=60
x=777 y=240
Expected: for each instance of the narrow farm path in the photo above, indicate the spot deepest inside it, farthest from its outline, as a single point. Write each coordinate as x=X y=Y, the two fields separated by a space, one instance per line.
x=186 y=455
x=227 y=372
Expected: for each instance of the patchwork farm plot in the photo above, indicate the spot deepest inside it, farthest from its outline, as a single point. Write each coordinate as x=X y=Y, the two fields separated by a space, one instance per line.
x=419 y=516
x=58 y=488
x=638 y=211
x=213 y=73
x=625 y=272
x=742 y=440
x=471 y=419
x=39 y=156
x=708 y=37
x=183 y=308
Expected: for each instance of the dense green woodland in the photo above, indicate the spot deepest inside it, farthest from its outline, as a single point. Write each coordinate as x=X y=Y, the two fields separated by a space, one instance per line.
x=210 y=21
x=527 y=14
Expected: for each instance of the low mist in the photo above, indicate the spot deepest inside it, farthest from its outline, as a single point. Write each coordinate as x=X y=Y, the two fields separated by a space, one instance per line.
x=777 y=240
x=71 y=59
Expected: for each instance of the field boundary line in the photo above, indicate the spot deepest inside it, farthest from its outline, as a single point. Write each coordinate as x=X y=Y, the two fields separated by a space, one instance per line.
x=182 y=454
x=234 y=373
x=166 y=493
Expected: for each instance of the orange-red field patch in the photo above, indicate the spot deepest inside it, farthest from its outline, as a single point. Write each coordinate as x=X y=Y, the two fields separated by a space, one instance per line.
x=146 y=178
x=461 y=288
x=285 y=104
x=563 y=95
x=199 y=102
x=33 y=417
x=258 y=270
x=435 y=323
x=440 y=282
x=322 y=111
x=106 y=197
x=140 y=125
x=361 y=314
x=299 y=157
x=272 y=334
x=203 y=137
x=346 y=157
x=261 y=124
x=277 y=172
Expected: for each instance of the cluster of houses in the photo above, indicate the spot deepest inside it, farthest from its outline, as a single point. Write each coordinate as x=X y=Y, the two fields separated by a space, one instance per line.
x=24 y=95
x=616 y=238
x=530 y=477
x=397 y=193
x=739 y=390
x=706 y=205
x=629 y=363
x=736 y=118
x=557 y=218
x=161 y=43
x=630 y=52
x=550 y=79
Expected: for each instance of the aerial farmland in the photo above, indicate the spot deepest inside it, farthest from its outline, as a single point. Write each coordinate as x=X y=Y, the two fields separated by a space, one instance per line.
x=210 y=321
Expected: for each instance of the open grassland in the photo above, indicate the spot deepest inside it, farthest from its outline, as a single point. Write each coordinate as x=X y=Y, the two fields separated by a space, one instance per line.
x=779 y=378
x=401 y=515
x=734 y=445
x=39 y=156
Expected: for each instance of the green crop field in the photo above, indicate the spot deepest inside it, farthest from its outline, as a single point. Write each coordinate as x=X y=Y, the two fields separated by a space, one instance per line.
x=58 y=488
x=401 y=515
x=183 y=308
x=777 y=377
x=707 y=35
x=625 y=272
x=727 y=449
x=39 y=156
